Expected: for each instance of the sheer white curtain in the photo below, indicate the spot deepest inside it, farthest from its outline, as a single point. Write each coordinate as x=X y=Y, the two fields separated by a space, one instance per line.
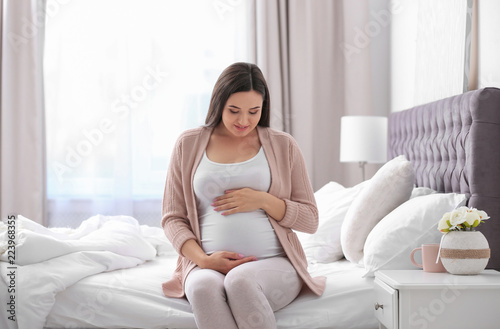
x=123 y=78
x=22 y=130
x=488 y=43
x=430 y=51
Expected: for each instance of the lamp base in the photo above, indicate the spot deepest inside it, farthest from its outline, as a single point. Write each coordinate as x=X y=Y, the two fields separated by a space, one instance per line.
x=362 y=166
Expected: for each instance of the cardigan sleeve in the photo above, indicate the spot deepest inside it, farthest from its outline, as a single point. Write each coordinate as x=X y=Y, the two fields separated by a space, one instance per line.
x=301 y=211
x=175 y=220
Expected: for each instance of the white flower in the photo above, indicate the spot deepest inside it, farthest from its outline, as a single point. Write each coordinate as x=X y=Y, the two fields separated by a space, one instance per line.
x=443 y=224
x=458 y=216
x=483 y=215
x=461 y=219
x=472 y=218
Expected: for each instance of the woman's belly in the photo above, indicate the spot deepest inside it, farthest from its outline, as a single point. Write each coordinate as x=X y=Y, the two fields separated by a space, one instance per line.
x=249 y=234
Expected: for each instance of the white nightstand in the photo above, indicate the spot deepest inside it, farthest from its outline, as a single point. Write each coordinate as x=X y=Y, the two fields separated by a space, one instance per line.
x=420 y=300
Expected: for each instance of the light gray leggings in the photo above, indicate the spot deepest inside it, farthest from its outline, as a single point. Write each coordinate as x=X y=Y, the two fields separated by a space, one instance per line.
x=244 y=298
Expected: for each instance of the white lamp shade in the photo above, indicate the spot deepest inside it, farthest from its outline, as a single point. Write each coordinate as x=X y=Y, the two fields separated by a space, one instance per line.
x=363 y=139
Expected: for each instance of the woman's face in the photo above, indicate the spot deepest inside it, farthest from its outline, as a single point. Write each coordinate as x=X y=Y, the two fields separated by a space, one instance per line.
x=242 y=112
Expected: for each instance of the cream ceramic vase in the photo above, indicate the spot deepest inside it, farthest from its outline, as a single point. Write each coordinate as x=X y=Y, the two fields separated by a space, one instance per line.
x=464 y=252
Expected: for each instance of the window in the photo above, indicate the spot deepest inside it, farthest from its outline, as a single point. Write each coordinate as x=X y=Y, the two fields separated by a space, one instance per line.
x=123 y=78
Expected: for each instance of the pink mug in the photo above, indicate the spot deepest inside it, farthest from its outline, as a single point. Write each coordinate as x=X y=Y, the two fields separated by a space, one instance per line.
x=429 y=256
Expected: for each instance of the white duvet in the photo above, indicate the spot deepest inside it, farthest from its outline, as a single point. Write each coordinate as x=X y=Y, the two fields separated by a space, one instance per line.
x=49 y=261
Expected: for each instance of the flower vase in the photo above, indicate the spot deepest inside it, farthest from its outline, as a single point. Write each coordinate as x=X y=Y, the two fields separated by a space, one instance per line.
x=464 y=253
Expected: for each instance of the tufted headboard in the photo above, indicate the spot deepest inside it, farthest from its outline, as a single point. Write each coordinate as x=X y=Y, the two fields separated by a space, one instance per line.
x=454 y=146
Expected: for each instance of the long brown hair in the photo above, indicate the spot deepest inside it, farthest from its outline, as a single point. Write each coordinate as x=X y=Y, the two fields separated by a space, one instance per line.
x=235 y=78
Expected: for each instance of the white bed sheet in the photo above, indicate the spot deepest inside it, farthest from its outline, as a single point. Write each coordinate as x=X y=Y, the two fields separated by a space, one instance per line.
x=108 y=274
x=132 y=298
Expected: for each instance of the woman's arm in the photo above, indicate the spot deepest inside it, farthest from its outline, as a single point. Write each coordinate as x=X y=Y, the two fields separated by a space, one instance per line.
x=301 y=210
x=274 y=207
x=175 y=220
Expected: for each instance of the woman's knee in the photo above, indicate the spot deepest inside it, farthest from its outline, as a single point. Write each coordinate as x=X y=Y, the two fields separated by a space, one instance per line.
x=240 y=280
x=204 y=285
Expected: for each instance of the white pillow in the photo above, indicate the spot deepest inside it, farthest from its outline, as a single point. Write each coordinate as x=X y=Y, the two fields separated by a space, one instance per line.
x=420 y=191
x=413 y=223
x=327 y=190
x=390 y=186
x=332 y=200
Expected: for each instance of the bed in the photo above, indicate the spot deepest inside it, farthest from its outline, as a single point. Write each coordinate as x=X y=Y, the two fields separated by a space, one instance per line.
x=107 y=273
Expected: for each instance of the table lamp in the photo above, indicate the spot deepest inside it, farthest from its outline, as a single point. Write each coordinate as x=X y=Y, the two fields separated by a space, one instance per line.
x=363 y=139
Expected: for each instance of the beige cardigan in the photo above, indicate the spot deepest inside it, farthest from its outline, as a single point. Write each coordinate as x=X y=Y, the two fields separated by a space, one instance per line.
x=289 y=182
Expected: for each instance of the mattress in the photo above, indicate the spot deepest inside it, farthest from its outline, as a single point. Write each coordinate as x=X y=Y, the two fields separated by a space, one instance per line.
x=132 y=298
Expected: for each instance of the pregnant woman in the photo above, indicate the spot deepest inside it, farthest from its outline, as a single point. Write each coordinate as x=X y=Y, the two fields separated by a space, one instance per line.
x=234 y=191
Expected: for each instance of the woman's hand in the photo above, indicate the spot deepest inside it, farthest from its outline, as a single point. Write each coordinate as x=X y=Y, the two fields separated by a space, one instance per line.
x=241 y=200
x=247 y=199
x=222 y=261
x=225 y=261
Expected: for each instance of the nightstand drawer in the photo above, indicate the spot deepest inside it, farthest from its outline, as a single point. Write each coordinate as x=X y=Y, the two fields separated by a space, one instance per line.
x=386 y=305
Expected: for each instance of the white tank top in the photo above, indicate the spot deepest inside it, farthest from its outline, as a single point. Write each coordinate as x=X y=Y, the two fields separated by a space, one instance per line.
x=248 y=233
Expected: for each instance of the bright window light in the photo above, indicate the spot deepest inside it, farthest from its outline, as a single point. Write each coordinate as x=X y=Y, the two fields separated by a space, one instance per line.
x=123 y=78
